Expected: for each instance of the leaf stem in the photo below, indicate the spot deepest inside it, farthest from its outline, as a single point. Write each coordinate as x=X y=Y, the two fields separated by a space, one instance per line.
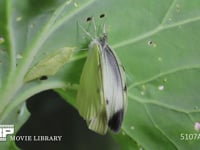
x=28 y=91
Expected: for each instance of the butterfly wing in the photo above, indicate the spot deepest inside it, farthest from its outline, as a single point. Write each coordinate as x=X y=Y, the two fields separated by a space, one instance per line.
x=114 y=87
x=90 y=99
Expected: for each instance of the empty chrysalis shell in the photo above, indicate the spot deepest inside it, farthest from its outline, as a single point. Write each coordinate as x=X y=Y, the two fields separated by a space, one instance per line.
x=49 y=65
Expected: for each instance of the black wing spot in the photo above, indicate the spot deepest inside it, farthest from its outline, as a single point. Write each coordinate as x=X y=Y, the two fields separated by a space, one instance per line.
x=115 y=121
x=43 y=77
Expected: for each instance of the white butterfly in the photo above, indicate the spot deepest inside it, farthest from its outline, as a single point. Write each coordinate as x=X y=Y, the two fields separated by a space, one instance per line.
x=101 y=98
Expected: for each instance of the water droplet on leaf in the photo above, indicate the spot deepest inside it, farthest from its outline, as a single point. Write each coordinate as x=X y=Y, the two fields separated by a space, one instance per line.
x=132 y=127
x=19 y=18
x=197 y=126
x=75 y=4
x=2 y=40
x=161 y=87
x=151 y=43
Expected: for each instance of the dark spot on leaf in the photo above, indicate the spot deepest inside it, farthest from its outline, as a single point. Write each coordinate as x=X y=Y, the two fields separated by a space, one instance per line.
x=18 y=111
x=102 y=16
x=43 y=77
x=150 y=42
x=89 y=19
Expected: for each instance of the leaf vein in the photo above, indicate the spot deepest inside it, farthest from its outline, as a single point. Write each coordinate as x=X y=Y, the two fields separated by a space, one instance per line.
x=164 y=74
x=168 y=11
x=43 y=36
x=158 y=104
x=158 y=128
x=157 y=29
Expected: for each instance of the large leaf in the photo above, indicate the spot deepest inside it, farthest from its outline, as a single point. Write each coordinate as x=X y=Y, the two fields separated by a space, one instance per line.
x=156 y=41
x=158 y=45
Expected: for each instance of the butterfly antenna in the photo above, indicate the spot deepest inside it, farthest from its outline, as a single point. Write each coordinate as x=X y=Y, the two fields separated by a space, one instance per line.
x=86 y=32
x=104 y=32
x=95 y=27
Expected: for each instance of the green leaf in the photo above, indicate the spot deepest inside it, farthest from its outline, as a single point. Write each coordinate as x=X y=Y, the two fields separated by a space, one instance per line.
x=158 y=47
x=17 y=117
x=156 y=41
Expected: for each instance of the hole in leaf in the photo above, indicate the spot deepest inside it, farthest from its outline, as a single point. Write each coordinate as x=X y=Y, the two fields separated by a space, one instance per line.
x=43 y=77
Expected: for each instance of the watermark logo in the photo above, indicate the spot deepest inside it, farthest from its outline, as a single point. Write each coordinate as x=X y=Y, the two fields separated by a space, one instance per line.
x=7 y=134
x=6 y=130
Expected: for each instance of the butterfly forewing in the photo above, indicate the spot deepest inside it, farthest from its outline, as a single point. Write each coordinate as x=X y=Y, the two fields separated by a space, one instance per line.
x=113 y=87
